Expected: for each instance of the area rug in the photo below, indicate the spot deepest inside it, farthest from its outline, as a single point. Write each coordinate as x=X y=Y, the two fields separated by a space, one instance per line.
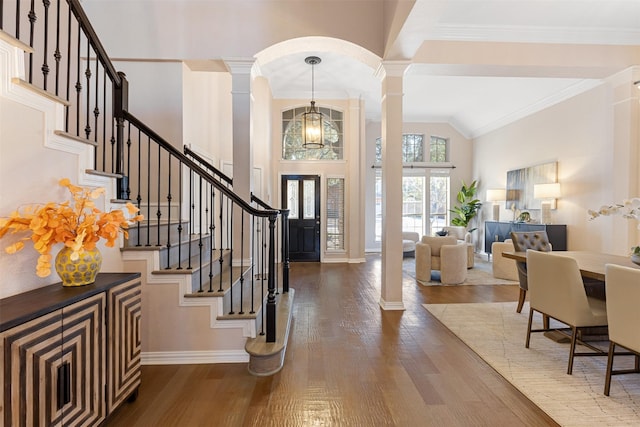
x=497 y=334
x=480 y=274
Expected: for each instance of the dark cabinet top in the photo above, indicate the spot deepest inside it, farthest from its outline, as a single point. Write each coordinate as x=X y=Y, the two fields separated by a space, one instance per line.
x=26 y=306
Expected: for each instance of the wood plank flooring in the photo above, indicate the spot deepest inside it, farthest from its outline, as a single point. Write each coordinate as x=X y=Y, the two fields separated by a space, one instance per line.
x=348 y=363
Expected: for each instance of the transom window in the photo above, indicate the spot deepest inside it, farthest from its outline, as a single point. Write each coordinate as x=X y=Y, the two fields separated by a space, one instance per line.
x=438 y=150
x=292 y=148
x=413 y=149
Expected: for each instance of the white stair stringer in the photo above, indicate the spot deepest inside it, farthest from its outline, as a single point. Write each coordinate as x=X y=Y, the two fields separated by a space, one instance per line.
x=246 y=327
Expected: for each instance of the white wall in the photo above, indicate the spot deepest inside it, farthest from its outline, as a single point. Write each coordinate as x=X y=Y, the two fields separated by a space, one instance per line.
x=207 y=116
x=155 y=96
x=591 y=138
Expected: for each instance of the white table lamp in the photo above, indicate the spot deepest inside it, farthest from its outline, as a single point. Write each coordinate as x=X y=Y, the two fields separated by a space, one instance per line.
x=547 y=193
x=496 y=195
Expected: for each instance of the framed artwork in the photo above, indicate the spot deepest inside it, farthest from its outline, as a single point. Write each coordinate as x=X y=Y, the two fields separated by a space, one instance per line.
x=520 y=184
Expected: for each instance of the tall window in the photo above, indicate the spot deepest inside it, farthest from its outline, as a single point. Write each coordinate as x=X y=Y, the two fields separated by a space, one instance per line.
x=438 y=201
x=292 y=148
x=425 y=202
x=413 y=207
x=335 y=214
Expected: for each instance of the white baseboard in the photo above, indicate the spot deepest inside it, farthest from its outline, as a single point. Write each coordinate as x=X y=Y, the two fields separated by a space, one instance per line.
x=395 y=305
x=193 y=357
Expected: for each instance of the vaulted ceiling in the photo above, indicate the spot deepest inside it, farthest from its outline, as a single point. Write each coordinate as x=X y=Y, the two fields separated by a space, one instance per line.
x=476 y=64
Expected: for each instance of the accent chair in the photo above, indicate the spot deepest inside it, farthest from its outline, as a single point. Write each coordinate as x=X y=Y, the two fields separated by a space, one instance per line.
x=409 y=240
x=444 y=254
x=504 y=268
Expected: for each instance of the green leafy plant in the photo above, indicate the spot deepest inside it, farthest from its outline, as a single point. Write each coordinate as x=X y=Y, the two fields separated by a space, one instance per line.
x=469 y=205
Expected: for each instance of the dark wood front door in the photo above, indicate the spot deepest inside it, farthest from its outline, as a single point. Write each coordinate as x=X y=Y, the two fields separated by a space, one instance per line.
x=301 y=195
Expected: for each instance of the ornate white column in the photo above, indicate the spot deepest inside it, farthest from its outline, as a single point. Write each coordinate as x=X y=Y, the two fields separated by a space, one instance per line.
x=391 y=74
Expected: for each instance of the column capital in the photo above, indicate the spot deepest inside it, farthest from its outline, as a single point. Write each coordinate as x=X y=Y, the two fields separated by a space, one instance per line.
x=239 y=65
x=392 y=69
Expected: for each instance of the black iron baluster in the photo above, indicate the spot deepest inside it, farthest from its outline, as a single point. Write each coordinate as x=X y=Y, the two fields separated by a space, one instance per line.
x=241 y=261
x=32 y=22
x=169 y=213
x=191 y=216
x=230 y=244
x=78 y=83
x=158 y=198
x=212 y=228
x=221 y=261
x=87 y=73
x=200 y=244
x=68 y=88
x=180 y=193
x=45 y=64
x=149 y=190
x=57 y=55
x=139 y=196
x=254 y=228
x=96 y=109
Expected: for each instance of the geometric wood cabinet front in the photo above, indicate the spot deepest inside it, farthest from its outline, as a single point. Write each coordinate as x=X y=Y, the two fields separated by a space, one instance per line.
x=70 y=356
x=124 y=310
x=52 y=367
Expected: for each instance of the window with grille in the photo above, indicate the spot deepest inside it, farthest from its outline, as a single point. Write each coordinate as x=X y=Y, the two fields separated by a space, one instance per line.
x=412 y=148
x=292 y=148
x=438 y=150
x=335 y=214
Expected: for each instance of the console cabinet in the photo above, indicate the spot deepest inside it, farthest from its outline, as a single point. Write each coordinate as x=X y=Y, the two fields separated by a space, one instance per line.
x=495 y=231
x=70 y=355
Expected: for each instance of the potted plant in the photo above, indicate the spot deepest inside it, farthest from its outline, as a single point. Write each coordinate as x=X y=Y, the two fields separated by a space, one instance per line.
x=629 y=209
x=469 y=205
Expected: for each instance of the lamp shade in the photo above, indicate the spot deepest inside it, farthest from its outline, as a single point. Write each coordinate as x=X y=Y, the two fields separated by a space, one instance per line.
x=496 y=195
x=546 y=191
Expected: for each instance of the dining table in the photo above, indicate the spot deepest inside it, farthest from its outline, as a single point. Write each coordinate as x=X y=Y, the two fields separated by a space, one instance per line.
x=591 y=264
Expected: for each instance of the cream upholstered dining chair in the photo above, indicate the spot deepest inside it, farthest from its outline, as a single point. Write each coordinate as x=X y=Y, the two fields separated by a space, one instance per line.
x=556 y=290
x=523 y=240
x=444 y=254
x=623 y=296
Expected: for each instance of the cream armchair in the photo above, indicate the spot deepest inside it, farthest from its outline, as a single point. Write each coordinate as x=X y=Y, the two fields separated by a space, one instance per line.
x=463 y=236
x=459 y=232
x=503 y=268
x=409 y=240
x=444 y=254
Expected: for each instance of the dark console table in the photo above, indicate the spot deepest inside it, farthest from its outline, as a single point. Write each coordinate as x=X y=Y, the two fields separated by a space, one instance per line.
x=495 y=231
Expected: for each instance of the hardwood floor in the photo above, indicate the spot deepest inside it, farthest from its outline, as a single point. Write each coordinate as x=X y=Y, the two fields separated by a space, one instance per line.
x=348 y=363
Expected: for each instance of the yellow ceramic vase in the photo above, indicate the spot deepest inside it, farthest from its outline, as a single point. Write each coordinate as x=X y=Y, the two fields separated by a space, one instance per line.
x=80 y=272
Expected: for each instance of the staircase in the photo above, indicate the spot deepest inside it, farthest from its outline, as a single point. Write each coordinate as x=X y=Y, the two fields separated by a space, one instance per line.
x=214 y=290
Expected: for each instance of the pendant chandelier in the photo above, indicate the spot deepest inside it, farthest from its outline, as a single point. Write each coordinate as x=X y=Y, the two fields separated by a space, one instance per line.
x=312 y=120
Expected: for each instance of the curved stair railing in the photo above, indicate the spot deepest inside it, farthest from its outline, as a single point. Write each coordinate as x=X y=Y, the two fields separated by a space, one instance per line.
x=192 y=212
x=284 y=218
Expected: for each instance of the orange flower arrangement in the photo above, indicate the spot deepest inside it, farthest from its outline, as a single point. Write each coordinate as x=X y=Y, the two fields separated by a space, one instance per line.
x=78 y=226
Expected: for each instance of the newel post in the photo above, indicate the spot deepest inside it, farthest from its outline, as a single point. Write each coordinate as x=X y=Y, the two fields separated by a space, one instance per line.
x=271 y=283
x=285 y=250
x=120 y=105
